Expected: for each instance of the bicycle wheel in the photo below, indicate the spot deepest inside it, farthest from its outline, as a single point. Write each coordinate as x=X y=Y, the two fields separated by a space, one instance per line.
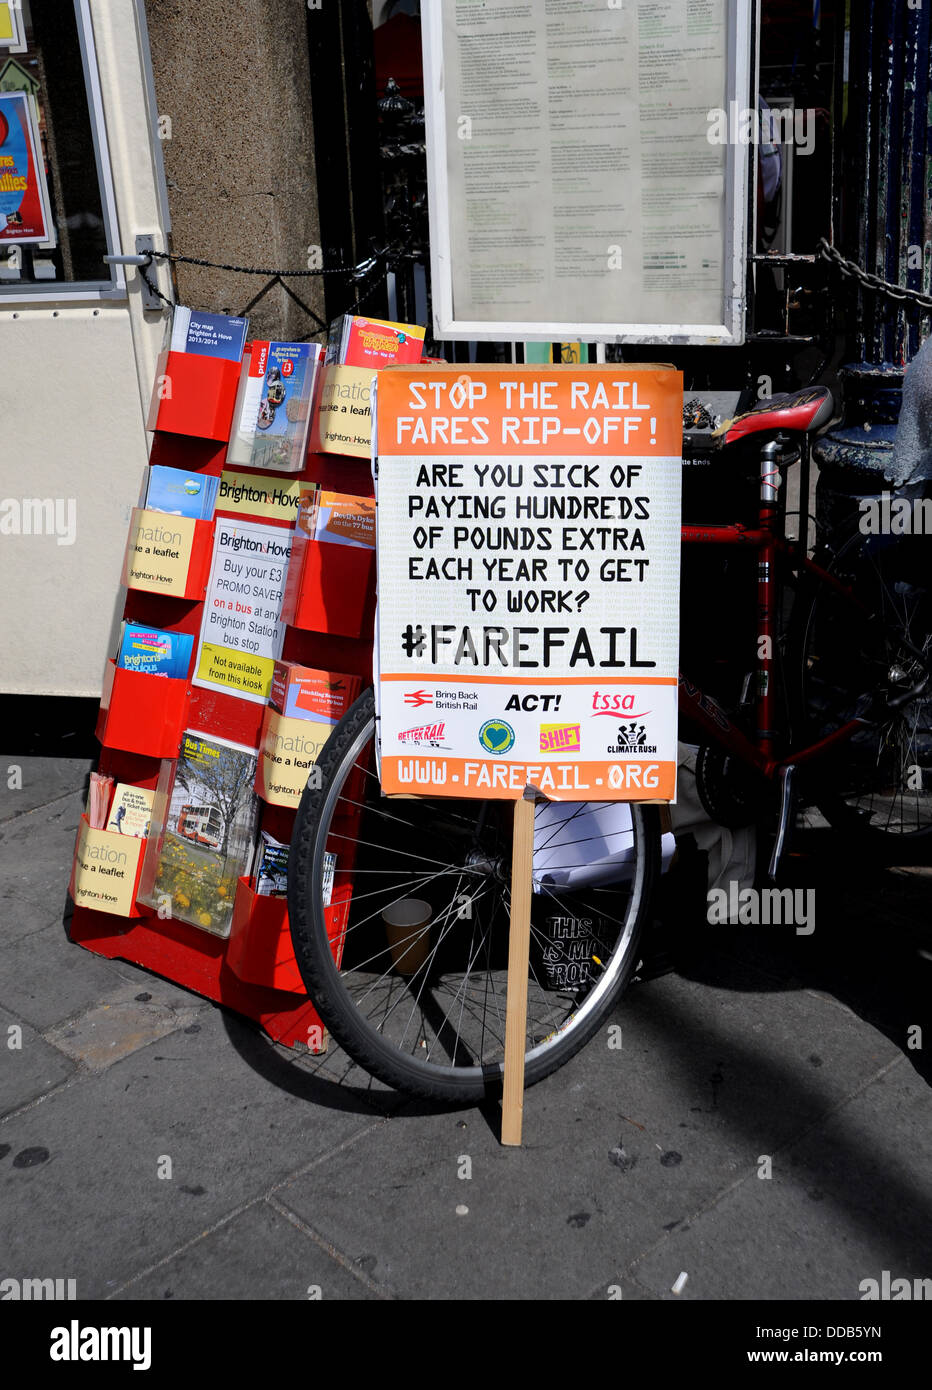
x=870 y=658
x=438 y=1031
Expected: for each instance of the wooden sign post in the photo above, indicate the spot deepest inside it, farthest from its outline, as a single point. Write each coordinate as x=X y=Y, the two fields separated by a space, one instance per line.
x=519 y=948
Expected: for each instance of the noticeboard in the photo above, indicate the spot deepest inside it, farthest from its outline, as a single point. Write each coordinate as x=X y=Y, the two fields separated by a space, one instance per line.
x=580 y=186
x=528 y=538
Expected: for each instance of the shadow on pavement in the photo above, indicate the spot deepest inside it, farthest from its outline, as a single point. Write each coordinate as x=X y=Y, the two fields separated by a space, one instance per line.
x=844 y=1158
x=871 y=947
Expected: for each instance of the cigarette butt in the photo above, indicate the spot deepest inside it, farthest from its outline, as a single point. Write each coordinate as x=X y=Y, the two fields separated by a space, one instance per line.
x=680 y=1284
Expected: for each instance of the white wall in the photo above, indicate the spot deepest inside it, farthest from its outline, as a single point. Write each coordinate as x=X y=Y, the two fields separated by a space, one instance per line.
x=72 y=432
x=74 y=383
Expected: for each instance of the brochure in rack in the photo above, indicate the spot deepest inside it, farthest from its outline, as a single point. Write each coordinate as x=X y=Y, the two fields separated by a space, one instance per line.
x=205 y=844
x=209 y=335
x=272 y=416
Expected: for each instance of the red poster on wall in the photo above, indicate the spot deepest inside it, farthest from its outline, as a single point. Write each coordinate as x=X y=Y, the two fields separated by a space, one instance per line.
x=25 y=214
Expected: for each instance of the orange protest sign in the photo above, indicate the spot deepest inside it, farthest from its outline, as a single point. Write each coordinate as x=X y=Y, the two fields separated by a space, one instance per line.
x=528 y=578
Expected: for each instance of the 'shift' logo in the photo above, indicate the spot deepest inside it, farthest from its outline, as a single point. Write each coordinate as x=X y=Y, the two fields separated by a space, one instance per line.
x=559 y=738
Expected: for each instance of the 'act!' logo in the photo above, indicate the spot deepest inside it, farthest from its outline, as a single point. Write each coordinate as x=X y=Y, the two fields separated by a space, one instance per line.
x=496 y=736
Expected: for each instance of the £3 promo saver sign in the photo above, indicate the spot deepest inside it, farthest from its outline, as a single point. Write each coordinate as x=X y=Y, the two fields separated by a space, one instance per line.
x=528 y=580
x=241 y=632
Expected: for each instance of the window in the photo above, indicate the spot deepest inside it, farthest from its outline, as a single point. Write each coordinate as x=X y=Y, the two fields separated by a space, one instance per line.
x=57 y=215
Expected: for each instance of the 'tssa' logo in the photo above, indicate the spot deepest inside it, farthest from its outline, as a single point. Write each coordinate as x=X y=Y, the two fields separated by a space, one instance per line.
x=496 y=736
x=617 y=703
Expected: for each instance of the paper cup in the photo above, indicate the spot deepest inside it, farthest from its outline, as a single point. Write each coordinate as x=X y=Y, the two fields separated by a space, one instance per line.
x=406 y=930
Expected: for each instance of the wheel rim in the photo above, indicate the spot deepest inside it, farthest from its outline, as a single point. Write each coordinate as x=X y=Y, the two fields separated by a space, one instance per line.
x=447 y=1017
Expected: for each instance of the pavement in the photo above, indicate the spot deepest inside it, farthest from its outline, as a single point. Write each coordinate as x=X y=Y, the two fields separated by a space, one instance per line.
x=764 y=1129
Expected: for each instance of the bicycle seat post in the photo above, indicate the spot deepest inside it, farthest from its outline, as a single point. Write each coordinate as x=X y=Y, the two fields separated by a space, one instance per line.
x=802 y=535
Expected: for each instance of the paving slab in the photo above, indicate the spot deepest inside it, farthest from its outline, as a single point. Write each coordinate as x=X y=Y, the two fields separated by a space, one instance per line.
x=850 y=1199
x=20 y=916
x=862 y=959
x=27 y=783
x=742 y=1052
x=220 y=1103
x=127 y=1020
x=437 y=1211
x=258 y=1255
x=29 y=1066
x=37 y=851
x=45 y=978
x=619 y=1146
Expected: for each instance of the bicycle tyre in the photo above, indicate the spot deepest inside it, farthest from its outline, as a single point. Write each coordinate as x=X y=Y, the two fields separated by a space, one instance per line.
x=853 y=661
x=463 y=1072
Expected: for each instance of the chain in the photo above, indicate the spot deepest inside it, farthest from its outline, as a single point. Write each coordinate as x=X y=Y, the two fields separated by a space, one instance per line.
x=144 y=272
x=357 y=271
x=871 y=282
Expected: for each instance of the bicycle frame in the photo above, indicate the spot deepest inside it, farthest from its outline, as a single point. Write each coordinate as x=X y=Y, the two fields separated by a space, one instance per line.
x=759 y=752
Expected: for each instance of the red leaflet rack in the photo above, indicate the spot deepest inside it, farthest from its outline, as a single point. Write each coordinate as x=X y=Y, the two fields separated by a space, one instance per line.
x=331 y=576
x=194 y=395
x=220 y=580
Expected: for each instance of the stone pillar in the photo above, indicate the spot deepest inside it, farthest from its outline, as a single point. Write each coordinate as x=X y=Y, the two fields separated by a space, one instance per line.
x=233 y=94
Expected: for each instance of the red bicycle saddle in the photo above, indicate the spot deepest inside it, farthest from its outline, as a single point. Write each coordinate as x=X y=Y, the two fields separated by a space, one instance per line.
x=803 y=411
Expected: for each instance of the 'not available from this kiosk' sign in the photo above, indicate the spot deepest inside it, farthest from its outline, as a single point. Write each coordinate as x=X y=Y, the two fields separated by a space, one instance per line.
x=528 y=530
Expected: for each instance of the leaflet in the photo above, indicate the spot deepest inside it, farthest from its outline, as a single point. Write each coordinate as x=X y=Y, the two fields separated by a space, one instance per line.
x=241 y=632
